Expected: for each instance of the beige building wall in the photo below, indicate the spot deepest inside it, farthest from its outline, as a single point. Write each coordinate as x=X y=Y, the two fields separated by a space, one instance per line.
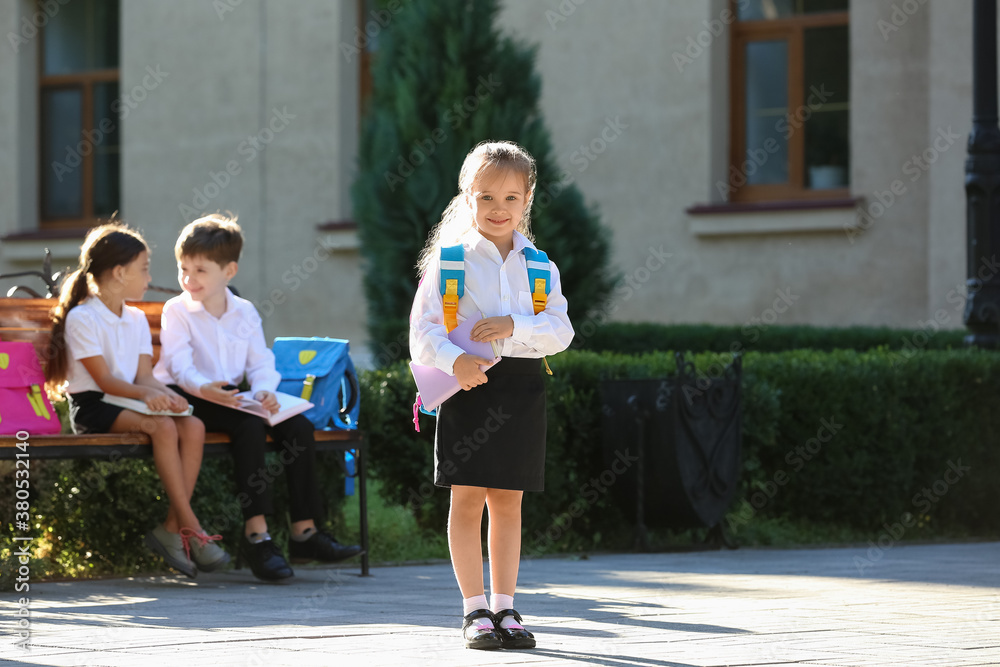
x=18 y=118
x=255 y=110
x=615 y=58
x=239 y=106
x=950 y=88
x=9 y=121
x=256 y=114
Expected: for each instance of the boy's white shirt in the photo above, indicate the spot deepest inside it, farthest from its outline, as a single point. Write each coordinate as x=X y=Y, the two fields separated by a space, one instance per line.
x=92 y=330
x=197 y=348
x=495 y=287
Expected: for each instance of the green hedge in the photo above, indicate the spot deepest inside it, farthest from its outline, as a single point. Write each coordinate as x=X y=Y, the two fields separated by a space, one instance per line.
x=899 y=424
x=90 y=516
x=878 y=441
x=638 y=338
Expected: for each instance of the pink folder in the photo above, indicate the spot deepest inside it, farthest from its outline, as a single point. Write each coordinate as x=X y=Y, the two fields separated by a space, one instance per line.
x=434 y=385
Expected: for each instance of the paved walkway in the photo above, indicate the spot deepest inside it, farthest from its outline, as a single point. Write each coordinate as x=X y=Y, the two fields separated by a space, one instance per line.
x=909 y=605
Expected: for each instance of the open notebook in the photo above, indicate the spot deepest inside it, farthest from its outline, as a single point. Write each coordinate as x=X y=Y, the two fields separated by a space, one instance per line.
x=289 y=406
x=434 y=385
x=136 y=405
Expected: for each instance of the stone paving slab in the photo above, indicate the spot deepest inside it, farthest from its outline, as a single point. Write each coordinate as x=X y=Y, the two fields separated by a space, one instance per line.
x=913 y=605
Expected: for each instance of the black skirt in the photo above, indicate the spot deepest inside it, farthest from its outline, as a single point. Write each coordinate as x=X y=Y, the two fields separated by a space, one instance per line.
x=493 y=436
x=89 y=414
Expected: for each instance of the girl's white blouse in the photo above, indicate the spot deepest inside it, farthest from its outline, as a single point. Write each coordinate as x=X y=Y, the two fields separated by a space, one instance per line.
x=493 y=286
x=94 y=331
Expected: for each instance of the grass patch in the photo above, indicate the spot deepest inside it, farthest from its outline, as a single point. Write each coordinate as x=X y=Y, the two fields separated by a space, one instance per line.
x=392 y=530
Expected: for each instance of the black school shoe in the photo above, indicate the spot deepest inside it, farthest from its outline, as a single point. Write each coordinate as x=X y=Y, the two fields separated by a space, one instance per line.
x=480 y=638
x=322 y=547
x=266 y=561
x=513 y=638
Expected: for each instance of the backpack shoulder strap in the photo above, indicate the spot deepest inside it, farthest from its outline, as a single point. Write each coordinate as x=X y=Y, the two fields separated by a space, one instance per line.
x=539 y=277
x=452 y=282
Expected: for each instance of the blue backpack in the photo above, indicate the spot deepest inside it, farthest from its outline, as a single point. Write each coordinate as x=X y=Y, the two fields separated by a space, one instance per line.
x=453 y=280
x=452 y=289
x=320 y=370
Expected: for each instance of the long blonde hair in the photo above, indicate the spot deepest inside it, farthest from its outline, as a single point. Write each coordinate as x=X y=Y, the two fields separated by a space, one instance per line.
x=458 y=218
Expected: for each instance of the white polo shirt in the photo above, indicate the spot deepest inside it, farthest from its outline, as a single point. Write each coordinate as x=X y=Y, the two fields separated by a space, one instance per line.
x=197 y=348
x=493 y=286
x=92 y=330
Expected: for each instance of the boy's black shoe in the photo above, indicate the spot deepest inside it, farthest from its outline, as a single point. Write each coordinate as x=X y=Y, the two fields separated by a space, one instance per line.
x=266 y=561
x=323 y=547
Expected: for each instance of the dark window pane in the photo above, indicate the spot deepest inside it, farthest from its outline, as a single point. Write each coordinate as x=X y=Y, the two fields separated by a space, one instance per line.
x=62 y=175
x=81 y=36
x=107 y=150
x=817 y=6
x=769 y=10
x=766 y=111
x=827 y=112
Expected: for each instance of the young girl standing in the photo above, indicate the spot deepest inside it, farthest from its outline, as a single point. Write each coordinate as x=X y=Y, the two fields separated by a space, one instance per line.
x=490 y=218
x=103 y=346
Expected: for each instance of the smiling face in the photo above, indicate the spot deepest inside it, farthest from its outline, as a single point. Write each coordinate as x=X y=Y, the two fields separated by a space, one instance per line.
x=204 y=279
x=498 y=200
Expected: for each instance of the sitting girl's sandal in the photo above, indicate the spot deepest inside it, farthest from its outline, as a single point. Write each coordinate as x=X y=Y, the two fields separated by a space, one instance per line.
x=480 y=636
x=203 y=551
x=170 y=546
x=516 y=637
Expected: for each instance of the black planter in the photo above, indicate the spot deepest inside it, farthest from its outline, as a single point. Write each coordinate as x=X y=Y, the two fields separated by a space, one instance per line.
x=681 y=437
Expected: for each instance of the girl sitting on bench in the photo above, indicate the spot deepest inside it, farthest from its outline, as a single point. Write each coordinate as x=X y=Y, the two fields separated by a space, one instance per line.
x=100 y=345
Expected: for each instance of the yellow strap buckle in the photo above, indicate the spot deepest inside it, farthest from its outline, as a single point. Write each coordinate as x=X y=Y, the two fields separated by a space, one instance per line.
x=539 y=298
x=450 y=298
x=307 y=387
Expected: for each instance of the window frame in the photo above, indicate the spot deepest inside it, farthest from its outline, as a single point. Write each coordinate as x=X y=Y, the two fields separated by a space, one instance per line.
x=365 y=88
x=84 y=82
x=792 y=30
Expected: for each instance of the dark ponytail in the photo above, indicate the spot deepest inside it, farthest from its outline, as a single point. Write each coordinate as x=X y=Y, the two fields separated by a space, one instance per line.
x=104 y=248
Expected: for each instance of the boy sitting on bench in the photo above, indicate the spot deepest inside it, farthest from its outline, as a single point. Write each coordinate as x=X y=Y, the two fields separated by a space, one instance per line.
x=210 y=339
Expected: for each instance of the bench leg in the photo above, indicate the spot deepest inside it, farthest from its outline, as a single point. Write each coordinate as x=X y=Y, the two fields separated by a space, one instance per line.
x=362 y=462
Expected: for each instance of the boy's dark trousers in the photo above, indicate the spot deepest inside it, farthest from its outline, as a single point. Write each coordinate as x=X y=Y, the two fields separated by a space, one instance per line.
x=296 y=458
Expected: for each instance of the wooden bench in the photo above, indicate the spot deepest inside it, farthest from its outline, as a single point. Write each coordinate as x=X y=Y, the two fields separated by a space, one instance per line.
x=28 y=320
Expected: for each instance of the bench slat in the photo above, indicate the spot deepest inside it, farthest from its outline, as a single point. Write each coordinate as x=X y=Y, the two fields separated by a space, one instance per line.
x=16 y=312
x=106 y=439
x=110 y=446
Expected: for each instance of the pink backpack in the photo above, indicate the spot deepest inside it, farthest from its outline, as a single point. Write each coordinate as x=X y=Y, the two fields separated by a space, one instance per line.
x=24 y=405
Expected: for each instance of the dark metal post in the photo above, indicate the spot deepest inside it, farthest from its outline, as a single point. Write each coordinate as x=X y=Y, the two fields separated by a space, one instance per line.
x=641 y=415
x=982 y=184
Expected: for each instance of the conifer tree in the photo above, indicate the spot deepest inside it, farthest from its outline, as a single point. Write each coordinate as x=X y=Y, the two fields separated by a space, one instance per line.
x=444 y=78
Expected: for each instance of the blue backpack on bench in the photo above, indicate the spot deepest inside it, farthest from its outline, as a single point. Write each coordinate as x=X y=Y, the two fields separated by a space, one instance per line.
x=320 y=370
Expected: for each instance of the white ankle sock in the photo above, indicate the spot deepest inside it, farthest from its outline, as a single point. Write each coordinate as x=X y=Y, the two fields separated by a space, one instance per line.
x=499 y=602
x=469 y=605
x=304 y=535
x=257 y=538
